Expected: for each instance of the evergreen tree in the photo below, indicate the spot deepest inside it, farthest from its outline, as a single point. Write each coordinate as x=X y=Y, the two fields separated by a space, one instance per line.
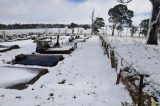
x=120 y=15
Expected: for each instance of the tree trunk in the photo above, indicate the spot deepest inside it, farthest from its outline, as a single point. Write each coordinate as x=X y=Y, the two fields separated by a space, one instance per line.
x=113 y=29
x=120 y=33
x=127 y=30
x=154 y=23
x=131 y=34
x=92 y=27
x=72 y=31
x=153 y=34
x=140 y=29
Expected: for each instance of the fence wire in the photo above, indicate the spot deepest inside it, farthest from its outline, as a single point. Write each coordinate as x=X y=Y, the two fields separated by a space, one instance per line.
x=130 y=66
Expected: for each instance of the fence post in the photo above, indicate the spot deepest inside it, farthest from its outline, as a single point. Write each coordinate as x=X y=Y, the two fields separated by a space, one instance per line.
x=107 y=50
x=102 y=43
x=140 y=90
x=116 y=65
x=121 y=61
x=119 y=77
x=113 y=61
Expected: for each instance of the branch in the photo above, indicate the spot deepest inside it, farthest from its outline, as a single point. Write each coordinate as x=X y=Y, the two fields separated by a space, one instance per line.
x=124 y=1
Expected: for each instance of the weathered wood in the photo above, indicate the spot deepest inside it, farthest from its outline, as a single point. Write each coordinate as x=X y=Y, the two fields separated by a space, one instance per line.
x=119 y=77
x=140 y=90
x=107 y=50
x=154 y=24
x=121 y=62
x=113 y=60
x=92 y=18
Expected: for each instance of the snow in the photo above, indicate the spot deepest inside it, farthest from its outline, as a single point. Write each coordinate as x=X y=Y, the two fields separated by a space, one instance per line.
x=13 y=76
x=42 y=30
x=80 y=40
x=88 y=79
x=68 y=47
x=26 y=47
x=2 y=48
x=144 y=58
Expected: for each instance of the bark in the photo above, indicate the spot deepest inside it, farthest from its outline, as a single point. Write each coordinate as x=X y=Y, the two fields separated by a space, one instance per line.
x=113 y=30
x=127 y=31
x=92 y=27
x=131 y=34
x=154 y=23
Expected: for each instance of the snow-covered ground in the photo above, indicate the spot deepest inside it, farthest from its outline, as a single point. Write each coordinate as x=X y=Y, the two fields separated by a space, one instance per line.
x=47 y=30
x=13 y=76
x=84 y=78
x=26 y=47
x=144 y=58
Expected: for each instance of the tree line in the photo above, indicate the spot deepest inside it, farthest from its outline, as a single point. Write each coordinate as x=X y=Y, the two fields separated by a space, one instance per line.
x=31 y=26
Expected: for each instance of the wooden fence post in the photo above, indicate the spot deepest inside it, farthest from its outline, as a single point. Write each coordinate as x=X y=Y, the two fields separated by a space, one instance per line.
x=102 y=43
x=107 y=50
x=121 y=62
x=116 y=64
x=140 y=90
x=113 y=60
x=119 y=77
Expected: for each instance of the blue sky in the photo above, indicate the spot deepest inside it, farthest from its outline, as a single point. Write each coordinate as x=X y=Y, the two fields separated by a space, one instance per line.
x=77 y=1
x=65 y=11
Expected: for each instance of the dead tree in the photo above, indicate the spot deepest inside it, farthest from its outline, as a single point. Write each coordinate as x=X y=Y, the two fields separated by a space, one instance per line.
x=92 y=18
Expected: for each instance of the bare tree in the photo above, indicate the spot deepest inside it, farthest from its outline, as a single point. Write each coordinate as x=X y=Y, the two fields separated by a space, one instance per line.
x=140 y=29
x=92 y=18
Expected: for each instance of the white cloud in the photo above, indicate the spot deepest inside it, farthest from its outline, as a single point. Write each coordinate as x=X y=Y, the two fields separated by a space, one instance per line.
x=63 y=11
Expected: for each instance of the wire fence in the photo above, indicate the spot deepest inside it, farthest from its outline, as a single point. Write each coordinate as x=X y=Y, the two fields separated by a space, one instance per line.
x=108 y=49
